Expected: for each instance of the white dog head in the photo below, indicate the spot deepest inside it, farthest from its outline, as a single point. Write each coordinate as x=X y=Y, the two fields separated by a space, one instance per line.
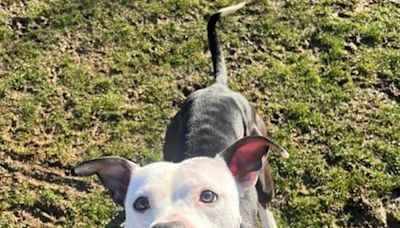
x=198 y=192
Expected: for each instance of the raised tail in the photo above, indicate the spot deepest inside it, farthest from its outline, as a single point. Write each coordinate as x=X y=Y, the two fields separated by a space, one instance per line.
x=217 y=56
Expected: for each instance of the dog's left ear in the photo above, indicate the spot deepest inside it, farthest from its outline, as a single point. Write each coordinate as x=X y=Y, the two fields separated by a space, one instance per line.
x=244 y=158
x=114 y=172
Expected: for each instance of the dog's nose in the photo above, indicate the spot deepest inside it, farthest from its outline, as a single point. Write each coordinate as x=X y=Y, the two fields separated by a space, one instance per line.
x=169 y=225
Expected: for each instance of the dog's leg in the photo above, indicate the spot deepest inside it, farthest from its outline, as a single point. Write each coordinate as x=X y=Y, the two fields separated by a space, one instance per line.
x=172 y=138
x=265 y=193
x=265 y=183
x=266 y=217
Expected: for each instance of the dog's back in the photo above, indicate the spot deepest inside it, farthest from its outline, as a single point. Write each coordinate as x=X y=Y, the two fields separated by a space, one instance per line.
x=212 y=118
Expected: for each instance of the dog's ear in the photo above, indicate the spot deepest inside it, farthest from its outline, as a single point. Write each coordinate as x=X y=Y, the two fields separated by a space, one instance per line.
x=244 y=158
x=114 y=172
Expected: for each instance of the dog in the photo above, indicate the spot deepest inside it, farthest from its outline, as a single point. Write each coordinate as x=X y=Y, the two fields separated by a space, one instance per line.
x=215 y=152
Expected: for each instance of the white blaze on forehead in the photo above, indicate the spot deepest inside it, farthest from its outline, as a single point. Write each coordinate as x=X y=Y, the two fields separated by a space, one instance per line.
x=158 y=174
x=203 y=162
x=198 y=174
x=164 y=179
x=207 y=171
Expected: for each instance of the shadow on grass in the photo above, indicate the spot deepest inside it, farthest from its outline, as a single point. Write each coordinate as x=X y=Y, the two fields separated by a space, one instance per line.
x=117 y=221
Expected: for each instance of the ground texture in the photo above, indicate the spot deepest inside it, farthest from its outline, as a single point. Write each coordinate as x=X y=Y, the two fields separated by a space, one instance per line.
x=86 y=78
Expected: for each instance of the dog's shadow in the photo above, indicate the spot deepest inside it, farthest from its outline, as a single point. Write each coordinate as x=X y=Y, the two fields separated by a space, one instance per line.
x=117 y=221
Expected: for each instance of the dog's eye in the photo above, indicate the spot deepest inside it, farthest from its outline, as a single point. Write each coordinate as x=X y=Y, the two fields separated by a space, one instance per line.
x=141 y=204
x=208 y=196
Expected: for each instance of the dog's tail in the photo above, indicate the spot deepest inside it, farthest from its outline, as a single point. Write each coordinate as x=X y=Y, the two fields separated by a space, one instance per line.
x=217 y=56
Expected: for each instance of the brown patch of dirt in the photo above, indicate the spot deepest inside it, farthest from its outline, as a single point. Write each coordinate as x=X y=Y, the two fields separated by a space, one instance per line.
x=364 y=213
x=390 y=88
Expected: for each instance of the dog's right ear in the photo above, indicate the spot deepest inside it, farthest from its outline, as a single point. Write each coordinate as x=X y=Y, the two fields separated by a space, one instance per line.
x=114 y=173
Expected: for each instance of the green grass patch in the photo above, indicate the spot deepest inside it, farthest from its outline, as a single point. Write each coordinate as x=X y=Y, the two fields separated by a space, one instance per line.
x=83 y=79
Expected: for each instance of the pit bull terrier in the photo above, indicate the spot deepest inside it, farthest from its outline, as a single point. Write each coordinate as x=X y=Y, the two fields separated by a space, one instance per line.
x=214 y=151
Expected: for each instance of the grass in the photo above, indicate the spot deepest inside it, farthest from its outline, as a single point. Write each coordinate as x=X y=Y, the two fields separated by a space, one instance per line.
x=82 y=79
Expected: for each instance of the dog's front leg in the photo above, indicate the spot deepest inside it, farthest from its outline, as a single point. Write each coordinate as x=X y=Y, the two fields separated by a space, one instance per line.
x=265 y=183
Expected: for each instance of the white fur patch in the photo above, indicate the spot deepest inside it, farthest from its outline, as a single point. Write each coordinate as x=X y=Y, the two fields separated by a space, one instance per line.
x=266 y=217
x=230 y=9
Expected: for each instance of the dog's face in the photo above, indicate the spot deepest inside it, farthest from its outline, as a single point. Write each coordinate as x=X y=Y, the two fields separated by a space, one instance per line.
x=198 y=192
